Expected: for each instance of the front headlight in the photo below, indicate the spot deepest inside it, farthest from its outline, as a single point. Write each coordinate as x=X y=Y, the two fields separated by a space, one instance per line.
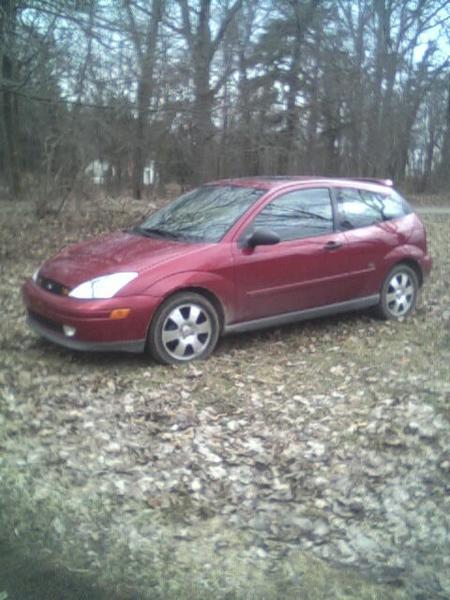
x=102 y=287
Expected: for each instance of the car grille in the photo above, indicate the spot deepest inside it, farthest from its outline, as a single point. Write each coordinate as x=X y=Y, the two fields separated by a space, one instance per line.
x=52 y=286
x=44 y=321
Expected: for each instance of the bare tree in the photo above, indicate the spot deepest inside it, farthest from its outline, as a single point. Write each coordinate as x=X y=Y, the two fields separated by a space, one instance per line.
x=398 y=29
x=443 y=169
x=145 y=44
x=203 y=46
x=210 y=88
x=9 y=73
x=300 y=14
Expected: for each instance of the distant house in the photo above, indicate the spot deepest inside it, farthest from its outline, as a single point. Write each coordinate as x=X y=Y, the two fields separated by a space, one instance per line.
x=149 y=173
x=99 y=171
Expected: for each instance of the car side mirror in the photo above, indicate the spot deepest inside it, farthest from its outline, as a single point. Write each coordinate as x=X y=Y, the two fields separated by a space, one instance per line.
x=261 y=237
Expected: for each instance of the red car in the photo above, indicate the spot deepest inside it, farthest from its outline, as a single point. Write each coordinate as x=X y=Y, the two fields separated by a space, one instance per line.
x=230 y=256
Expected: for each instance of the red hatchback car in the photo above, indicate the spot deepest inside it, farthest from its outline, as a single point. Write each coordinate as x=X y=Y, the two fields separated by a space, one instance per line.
x=230 y=256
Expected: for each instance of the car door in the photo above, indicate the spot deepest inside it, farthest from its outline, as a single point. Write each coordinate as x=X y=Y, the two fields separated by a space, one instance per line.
x=305 y=269
x=369 y=220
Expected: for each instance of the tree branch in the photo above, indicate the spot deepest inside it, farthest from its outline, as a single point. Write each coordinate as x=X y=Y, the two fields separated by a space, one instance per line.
x=224 y=26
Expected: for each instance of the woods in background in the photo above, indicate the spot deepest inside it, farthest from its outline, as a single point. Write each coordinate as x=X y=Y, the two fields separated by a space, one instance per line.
x=159 y=91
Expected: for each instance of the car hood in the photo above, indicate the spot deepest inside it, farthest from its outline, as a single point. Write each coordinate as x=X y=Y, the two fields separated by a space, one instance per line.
x=121 y=251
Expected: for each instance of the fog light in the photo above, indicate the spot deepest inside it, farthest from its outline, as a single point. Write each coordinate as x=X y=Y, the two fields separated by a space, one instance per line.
x=69 y=330
x=119 y=313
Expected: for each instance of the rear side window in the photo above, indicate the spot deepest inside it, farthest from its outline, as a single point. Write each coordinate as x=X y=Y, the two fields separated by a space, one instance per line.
x=395 y=206
x=299 y=214
x=361 y=208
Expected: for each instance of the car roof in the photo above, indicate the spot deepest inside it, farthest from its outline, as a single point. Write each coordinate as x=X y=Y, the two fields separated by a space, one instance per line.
x=270 y=182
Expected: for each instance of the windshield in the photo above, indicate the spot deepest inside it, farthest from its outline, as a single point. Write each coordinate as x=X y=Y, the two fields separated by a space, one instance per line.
x=204 y=214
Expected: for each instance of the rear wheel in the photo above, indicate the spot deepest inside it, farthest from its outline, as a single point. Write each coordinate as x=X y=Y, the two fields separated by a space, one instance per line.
x=185 y=328
x=399 y=293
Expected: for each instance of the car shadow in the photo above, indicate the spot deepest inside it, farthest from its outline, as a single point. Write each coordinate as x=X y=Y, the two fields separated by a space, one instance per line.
x=312 y=328
x=229 y=343
x=99 y=359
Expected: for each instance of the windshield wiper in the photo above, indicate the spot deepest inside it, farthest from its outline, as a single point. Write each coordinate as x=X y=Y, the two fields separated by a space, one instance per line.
x=149 y=231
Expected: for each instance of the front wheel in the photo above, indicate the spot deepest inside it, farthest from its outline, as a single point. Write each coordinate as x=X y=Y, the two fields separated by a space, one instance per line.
x=399 y=293
x=185 y=328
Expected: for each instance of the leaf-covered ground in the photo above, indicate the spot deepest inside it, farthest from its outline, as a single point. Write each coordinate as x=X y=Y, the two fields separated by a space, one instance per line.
x=310 y=461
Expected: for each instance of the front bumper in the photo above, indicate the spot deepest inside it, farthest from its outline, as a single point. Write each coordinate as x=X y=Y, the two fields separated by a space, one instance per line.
x=136 y=346
x=95 y=330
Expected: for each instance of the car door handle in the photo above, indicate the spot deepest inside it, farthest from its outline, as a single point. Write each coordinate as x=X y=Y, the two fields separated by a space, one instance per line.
x=333 y=245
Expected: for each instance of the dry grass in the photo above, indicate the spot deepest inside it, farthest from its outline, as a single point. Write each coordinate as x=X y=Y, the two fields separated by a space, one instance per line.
x=252 y=376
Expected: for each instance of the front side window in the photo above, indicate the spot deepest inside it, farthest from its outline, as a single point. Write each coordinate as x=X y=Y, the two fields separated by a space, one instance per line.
x=361 y=208
x=202 y=215
x=299 y=214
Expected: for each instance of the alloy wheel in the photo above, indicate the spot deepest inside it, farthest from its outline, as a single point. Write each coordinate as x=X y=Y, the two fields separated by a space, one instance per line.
x=186 y=331
x=400 y=293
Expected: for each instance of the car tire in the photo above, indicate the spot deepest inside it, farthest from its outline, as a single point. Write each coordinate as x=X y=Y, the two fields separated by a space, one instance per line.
x=398 y=294
x=185 y=328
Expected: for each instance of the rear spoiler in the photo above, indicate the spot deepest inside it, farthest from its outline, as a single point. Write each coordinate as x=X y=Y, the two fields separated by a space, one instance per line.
x=386 y=182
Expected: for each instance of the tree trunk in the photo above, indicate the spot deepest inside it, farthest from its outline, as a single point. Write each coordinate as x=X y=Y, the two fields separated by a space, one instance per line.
x=310 y=155
x=302 y=18
x=428 y=161
x=203 y=95
x=145 y=92
x=143 y=98
x=358 y=96
x=374 y=139
x=203 y=128
x=246 y=146
x=444 y=170
x=10 y=110
x=203 y=47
